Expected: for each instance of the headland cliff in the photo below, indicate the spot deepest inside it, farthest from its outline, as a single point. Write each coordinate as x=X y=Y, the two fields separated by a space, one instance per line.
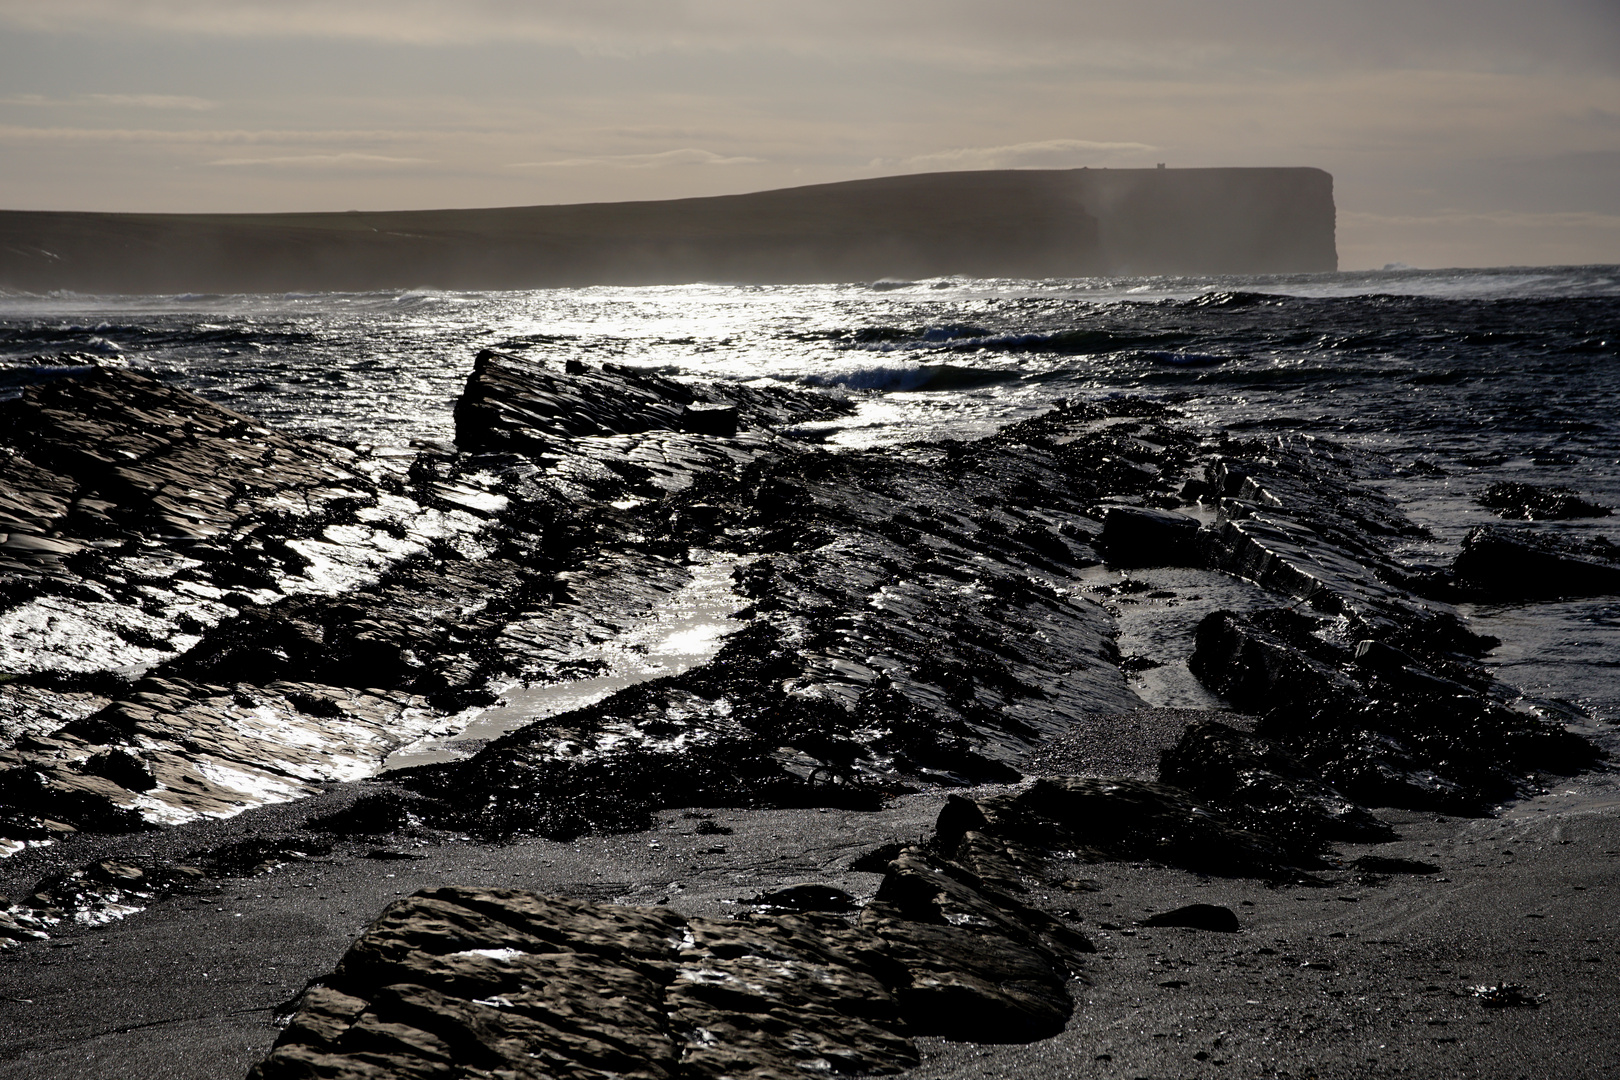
x=1008 y=223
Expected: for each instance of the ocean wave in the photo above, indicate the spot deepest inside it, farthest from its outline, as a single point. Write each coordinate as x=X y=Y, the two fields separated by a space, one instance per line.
x=112 y=338
x=1237 y=299
x=17 y=376
x=1178 y=359
x=884 y=338
x=967 y=338
x=900 y=378
x=1073 y=342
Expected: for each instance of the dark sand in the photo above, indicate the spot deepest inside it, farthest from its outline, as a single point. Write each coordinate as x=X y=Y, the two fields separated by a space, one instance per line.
x=1362 y=976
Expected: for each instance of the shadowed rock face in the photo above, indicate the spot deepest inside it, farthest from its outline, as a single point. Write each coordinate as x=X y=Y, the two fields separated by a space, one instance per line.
x=994 y=223
x=1536 y=503
x=1517 y=564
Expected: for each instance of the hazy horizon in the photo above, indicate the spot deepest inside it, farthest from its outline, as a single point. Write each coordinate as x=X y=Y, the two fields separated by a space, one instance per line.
x=1478 y=133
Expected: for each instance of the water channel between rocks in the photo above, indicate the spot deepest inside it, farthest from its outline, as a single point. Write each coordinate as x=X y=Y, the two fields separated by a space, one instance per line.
x=682 y=634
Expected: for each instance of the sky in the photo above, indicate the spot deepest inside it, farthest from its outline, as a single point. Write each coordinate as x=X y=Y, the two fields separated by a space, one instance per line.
x=1458 y=132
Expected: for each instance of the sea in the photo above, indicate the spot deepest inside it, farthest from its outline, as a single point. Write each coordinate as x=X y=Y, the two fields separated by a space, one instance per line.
x=1461 y=378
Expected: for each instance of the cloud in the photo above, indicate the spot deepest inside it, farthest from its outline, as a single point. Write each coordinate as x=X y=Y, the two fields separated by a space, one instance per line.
x=325 y=161
x=150 y=101
x=1012 y=33
x=195 y=136
x=137 y=101
x=1046 y=154
x=688 y=156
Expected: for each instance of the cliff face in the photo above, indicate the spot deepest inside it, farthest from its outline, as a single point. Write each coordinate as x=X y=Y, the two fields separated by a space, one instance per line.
x=1211 y=221
x=1034 y=223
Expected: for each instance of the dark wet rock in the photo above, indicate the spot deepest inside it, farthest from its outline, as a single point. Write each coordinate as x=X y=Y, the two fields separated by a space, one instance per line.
x=136 y=514
x=174 y=750
x=500 y=577
x=609 y=766
x=939 y=630
x=1430 y=731
x=1261 y=785
x=710 y=420
x=805 y=896
x=965 y=984
x=805 y=992
x=1099 y=819
x=1197 y=917
x=499 y=979
x=1538 y=503
x=1297 y=518
x=1384 y=864
x=897 y=635
x=878 y=859
x=1142 y=536
x=122 y=768
x=141 y=519
x=112 y=888
x=372 y=814
x=515 y=404
x=505 y=980
x=502 y=980
x=1505 y=995
x=1271 y=660
x=1361 y=683
x=19 y=924
x=1522 y=564
x=922 y=887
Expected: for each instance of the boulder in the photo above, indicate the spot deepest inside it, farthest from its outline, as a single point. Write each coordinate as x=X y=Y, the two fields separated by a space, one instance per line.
x=1197 y=917
x=1533 y=503
x=1525 y=564
x=1141 y=536
x=709 y=420
x=1262 y=786
x=524 y=985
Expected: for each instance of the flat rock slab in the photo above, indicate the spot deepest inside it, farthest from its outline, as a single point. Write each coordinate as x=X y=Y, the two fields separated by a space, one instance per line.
x=454 y=981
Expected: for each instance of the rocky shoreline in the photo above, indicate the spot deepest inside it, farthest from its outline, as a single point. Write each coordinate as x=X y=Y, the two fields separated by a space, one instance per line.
x=204 y=617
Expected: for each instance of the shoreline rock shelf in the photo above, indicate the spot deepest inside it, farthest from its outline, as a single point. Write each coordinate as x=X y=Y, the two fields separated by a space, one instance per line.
x=910 y=618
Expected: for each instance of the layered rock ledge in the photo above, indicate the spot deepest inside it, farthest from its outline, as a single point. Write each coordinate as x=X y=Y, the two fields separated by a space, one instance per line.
x=205 y=616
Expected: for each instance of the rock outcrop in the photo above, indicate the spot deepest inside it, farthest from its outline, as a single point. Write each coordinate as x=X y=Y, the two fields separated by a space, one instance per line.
x=898 y=634
x=1499 y=563
x=462 y=982
x=517 y=406
x=1365 y=690
x=300 y=609
x=1535 y=503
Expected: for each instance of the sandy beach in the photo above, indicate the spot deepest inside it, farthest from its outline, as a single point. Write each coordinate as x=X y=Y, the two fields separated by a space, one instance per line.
x=1361 y=975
